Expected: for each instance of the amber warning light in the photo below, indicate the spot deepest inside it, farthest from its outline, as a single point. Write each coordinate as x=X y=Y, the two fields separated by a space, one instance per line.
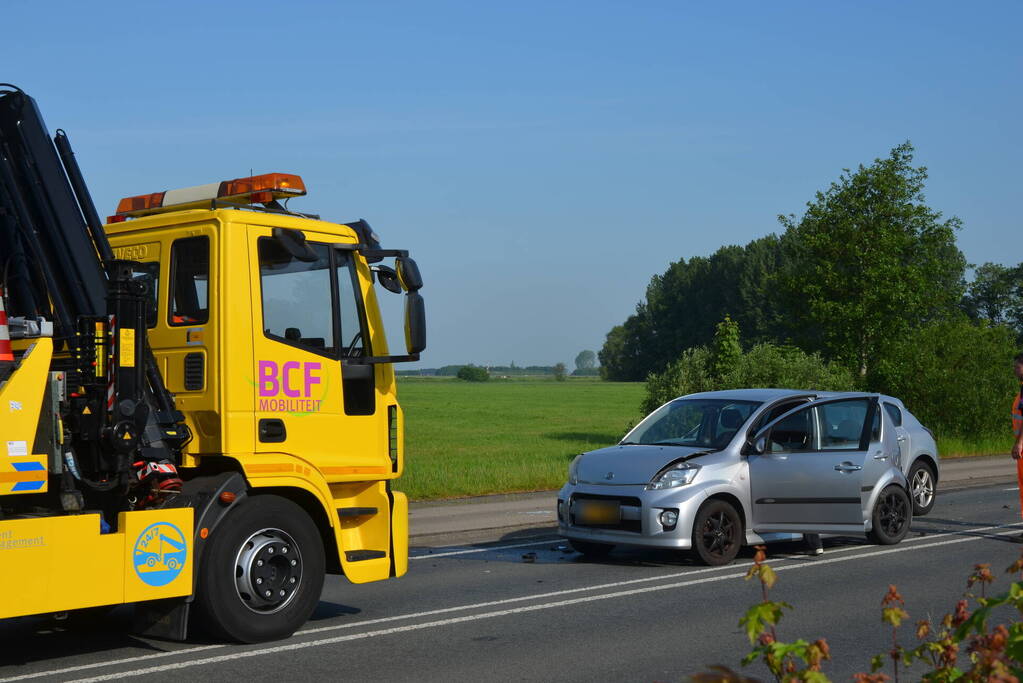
x=257 y=189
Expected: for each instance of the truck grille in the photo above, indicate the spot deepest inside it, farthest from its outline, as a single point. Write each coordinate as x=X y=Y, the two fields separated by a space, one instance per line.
x=195 y=371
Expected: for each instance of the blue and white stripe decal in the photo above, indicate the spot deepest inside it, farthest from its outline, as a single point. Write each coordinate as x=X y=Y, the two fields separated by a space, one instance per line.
x=29 y=467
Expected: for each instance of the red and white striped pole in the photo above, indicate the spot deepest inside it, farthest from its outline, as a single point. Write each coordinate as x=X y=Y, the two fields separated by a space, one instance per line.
x=6 y=352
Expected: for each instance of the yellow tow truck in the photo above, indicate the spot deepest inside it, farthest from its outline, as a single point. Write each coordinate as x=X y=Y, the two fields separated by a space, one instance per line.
x=198 y=411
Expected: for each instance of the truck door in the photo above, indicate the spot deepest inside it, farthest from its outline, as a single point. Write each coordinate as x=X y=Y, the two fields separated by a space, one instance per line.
x=312 y=315
x=814 y=466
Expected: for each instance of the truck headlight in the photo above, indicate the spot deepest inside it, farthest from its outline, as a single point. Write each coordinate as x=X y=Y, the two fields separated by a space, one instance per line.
x=573 y=474
x=676 y=474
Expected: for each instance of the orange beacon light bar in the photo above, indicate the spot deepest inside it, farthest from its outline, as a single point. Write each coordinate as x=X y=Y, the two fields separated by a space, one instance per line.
x=257 y=189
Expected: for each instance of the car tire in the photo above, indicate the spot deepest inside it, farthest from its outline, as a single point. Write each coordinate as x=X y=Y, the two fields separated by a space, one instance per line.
x=922 y=487
x=717 y=533
x=267 y=540
x=892 y=516
x=591 y=549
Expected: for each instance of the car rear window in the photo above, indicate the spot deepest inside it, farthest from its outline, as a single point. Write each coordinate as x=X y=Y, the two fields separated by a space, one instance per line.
x=894 y=413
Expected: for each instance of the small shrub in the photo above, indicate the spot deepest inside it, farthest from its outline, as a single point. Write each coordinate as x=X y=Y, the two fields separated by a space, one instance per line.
x=560 y=372
x=473 y=373
x=763 y=366
x=955 y=376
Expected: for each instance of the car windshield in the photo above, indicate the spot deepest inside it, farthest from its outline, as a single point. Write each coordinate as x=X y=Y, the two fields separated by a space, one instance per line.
x=700 y=422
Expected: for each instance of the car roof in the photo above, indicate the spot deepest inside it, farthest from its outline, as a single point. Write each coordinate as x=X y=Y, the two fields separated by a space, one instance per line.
x=765 y=395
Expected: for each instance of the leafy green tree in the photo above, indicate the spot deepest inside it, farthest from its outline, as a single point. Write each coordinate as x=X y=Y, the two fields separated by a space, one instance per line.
x=684 y=304
x=725 y=351
x=473 y=373
x=689 y=374
x=624 y=357
x=955 y=376
x=996 y=295
x=586 y=360
x=868 y=262
x=560 y=372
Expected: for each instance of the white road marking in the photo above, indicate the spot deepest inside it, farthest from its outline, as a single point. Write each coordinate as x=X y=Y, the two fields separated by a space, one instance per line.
x=1014 y=488
x=96 y=665
x=543 y=606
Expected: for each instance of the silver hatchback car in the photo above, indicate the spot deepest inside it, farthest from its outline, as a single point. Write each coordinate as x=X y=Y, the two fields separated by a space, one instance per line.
x=711 y=472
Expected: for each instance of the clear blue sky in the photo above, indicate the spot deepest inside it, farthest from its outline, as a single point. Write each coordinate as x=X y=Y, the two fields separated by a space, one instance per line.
x=542 y=160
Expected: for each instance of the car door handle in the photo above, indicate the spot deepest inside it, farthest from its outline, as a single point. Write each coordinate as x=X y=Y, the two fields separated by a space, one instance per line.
x=901 y=438
x=880 y=456
x=847 y=467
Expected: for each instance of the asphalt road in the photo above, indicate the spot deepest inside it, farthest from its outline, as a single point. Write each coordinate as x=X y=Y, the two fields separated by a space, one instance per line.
x=525 y=608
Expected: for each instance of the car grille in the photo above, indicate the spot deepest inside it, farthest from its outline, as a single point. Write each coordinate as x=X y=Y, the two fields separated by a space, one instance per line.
x=630 y=512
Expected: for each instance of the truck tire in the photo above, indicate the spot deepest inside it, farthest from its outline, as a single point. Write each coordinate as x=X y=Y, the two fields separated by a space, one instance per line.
x=262 y=573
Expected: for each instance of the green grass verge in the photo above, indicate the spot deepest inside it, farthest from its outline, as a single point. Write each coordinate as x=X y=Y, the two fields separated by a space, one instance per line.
x=958 y=447
x=475 y=438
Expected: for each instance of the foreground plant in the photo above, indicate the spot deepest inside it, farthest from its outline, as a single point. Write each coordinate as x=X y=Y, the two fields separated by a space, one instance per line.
x=960 y=647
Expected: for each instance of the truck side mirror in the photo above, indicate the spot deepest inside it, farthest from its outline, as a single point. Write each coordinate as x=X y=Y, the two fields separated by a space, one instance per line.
x=387 y=277
x=408 y=274
x=415 y=323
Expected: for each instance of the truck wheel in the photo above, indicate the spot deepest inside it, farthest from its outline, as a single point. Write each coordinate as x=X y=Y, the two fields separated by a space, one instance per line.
x=262 y=573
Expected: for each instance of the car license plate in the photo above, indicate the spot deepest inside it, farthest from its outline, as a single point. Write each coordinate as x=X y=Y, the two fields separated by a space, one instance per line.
x=597 y=512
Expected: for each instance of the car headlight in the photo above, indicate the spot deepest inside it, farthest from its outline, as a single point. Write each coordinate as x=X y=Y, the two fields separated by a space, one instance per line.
x=676 y=474
x=573 y=474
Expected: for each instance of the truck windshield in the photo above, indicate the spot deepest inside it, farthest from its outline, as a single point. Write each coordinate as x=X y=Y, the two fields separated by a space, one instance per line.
x=700 y=422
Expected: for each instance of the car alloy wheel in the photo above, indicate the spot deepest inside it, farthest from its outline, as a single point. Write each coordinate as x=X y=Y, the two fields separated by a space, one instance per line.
x=717 y=533
x=893 y=513
x=921 y=484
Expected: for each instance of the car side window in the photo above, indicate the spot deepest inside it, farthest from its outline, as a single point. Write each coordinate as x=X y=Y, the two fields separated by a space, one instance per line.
x=894 y=413
x=794 y=434
x=841 y=424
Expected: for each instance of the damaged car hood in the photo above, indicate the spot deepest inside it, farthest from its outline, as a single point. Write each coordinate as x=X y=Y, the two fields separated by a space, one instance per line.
x=630 y=464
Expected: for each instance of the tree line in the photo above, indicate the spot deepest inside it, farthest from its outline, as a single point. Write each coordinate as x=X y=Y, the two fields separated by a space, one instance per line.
x=868 y=286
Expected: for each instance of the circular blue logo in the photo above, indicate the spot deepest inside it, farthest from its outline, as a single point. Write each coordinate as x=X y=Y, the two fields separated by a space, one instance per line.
x=160 y=554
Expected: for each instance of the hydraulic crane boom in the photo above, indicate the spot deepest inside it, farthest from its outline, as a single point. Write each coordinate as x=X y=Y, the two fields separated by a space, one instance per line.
x=56 y=265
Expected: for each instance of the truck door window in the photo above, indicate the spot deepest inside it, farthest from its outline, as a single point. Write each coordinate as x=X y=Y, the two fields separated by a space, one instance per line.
x=354 y=341
x=189 y=283
x=297 y=302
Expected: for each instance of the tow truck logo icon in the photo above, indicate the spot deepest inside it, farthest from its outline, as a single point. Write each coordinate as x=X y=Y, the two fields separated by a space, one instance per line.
x=160 y=553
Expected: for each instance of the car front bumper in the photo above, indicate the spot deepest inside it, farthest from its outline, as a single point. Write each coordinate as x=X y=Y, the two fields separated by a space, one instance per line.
x=640 y=515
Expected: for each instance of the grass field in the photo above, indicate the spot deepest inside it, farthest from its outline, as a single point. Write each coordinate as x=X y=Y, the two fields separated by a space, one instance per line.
x=473 y=438
x=502 y=436
x=957 y=447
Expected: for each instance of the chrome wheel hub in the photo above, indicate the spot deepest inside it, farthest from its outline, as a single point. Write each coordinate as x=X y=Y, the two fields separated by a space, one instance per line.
x=268 y=571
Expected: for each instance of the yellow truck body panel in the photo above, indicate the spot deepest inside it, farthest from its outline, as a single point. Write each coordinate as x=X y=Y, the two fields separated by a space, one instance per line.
x=21 y=402
x=63 y=562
